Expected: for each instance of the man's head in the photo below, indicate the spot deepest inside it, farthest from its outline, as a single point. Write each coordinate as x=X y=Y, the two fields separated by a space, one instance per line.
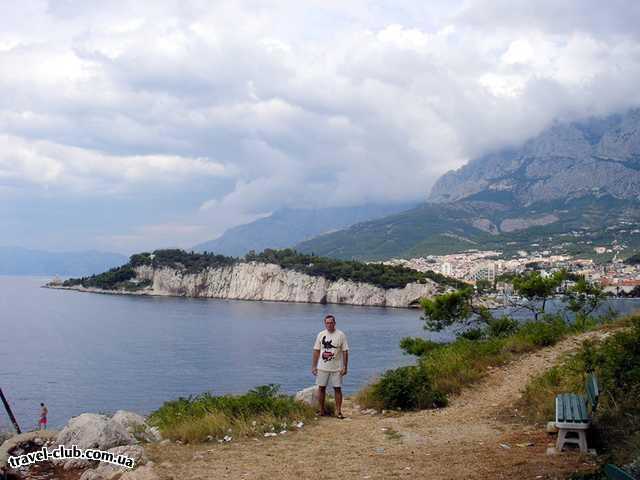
x=330 y=323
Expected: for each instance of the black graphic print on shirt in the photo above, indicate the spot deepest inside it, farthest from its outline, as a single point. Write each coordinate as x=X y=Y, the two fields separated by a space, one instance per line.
x=327 y=345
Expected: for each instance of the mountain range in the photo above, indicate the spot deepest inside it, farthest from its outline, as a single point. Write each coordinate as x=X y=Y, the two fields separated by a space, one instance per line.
x=289 y=226
x=569 y=189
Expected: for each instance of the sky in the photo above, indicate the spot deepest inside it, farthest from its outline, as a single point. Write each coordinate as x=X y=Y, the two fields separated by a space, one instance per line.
x=129 y=126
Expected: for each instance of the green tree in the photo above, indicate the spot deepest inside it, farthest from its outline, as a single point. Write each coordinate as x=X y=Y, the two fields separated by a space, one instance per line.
x=583 y=298
x=536 y=290
x=447 y=309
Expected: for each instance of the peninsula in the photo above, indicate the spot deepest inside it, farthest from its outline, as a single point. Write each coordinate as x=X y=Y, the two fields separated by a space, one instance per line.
x=272 y=275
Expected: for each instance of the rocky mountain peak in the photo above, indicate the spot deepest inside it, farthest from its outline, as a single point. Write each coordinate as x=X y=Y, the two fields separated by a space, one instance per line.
x=597 y=156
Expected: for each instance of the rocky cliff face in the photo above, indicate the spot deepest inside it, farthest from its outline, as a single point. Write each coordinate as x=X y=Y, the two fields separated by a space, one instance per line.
x=259 y=281
x=599 y=156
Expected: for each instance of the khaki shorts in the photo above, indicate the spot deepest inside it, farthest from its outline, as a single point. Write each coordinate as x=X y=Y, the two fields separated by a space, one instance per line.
x=325 y=378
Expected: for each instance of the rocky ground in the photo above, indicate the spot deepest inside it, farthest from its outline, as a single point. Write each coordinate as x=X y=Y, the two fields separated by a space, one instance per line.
x=479 y=436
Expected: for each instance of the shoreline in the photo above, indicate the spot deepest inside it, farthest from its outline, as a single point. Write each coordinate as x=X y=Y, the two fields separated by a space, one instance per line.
x=166 y=295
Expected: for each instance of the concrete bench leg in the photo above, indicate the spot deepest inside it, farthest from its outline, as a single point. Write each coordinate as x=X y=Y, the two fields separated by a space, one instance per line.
x=580 y=440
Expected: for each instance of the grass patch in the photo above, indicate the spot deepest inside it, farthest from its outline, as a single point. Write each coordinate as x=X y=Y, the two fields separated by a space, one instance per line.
x=261 y=410
x=616 y=362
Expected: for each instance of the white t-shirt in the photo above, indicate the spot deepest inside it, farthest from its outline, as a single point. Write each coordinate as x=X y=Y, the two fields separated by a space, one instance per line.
x=331 y=346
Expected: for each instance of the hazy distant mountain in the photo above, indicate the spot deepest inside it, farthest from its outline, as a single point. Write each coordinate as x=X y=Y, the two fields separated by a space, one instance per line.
x=572 y=187
x=287 y=227
x=22 y=261
x=598 y=156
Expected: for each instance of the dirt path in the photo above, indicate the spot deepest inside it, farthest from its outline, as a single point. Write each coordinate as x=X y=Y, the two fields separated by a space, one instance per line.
x=466 y=440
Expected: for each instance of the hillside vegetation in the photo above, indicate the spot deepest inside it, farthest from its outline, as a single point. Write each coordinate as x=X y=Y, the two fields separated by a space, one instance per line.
x=439 y=229
x=384 y=276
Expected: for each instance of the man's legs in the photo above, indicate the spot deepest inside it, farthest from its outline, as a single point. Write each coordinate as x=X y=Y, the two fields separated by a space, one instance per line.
x=338 y=394
x=321 y=396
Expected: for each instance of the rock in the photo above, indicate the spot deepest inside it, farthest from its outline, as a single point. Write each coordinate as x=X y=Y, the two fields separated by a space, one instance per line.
x=136 y=425
x=135 y=452
x=91 y=430
x=551 y=427
x=552 y=451
x=563 y=161
x=145 y=472
x=14 y=443
x=309 y=396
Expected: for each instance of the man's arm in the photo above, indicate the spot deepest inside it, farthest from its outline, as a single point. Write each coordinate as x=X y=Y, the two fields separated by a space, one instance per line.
x=345 y=362
x=314 y=361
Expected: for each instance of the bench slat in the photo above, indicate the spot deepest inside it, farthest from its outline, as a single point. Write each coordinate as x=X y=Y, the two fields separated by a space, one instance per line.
x=560 y=408
x=592 y=390
x=571 y=408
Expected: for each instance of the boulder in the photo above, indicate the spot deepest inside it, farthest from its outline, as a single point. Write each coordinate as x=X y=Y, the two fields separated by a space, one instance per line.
x=309 y=396
x=91 y=430
x=109 y=471
x=136 y=425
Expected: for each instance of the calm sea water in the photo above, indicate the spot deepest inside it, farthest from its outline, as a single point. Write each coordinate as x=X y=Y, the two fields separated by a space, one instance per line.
x=80 y=352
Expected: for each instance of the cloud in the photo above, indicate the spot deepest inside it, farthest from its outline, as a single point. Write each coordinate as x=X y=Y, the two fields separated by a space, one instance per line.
x=240 y=108
x=51 y=165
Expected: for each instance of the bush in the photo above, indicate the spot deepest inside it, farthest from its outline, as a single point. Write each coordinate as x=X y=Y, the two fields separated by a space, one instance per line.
x=418 y=346
x=472 y=334
x=502 y=327
x=534 y=335
x=407 y=388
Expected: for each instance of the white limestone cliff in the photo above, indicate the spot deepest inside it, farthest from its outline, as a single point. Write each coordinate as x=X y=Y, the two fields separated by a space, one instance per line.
x=260 y=281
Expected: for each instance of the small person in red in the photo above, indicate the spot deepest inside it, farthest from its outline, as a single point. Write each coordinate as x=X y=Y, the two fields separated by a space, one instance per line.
x=43 y=417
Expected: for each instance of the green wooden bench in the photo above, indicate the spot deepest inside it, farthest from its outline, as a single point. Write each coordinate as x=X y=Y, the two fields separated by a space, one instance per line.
x=615 y=473
x=573 y=415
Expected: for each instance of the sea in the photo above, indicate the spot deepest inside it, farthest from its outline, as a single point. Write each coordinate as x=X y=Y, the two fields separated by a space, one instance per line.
x=82 y=352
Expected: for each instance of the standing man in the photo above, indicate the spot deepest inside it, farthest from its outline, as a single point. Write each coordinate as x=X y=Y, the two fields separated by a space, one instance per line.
x=330 y=362
x=43 y=417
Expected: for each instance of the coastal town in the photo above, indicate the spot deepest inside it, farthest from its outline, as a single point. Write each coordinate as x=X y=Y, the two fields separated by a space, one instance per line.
x=616 y=275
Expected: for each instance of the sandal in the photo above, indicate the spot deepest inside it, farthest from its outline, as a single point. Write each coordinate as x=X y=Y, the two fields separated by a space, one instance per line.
x=340 y=416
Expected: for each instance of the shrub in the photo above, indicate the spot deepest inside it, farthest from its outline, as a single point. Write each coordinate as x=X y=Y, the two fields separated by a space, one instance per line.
x=407 y=388
x=534 y=335
x=502 y=327
x=472 y=334
x=418 y=346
